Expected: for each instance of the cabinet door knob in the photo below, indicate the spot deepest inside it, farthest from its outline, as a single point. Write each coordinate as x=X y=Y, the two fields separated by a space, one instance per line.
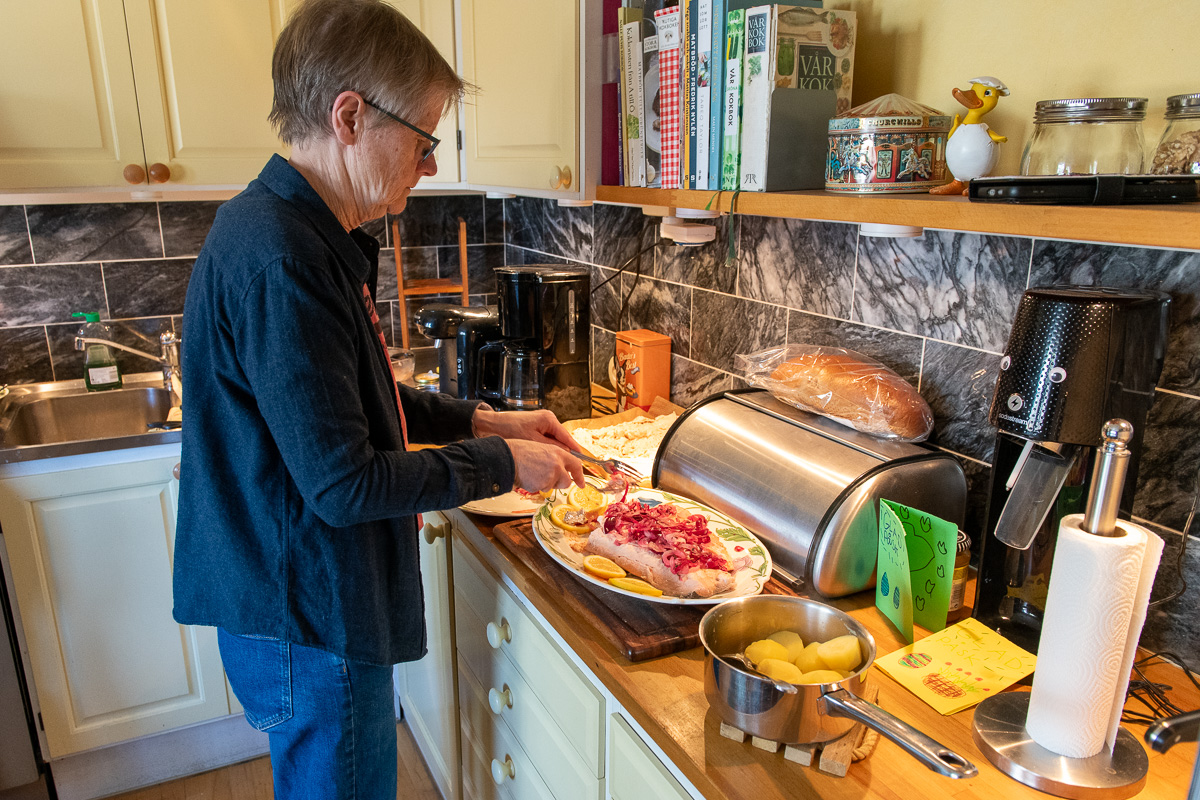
x=134 y=173
x=435 y=532
x=159 y=173
x=175 y=471
x=503 y=769
x=565 y=174
x=556 y=183
x=500 y=699
x=498 y=634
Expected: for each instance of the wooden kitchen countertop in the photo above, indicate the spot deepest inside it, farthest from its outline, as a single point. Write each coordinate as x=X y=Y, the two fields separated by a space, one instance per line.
x=666 y=696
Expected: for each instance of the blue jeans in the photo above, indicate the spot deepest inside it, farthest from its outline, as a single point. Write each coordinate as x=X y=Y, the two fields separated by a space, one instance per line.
x=330 y=722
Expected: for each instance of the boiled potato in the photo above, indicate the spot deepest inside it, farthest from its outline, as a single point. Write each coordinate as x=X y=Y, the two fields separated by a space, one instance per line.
x=763 y=649
x=791 y=640
x=780 y=670
x=820 y=676
x=809 y=658
x=842 y=654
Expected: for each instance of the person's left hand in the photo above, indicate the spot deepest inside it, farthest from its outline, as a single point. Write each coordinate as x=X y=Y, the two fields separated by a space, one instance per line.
x=537 y=426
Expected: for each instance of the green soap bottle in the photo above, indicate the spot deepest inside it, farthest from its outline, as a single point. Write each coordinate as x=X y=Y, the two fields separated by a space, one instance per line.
x=100 y=370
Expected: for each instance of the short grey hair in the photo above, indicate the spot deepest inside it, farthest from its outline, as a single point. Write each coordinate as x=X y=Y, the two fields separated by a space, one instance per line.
x=366 y=46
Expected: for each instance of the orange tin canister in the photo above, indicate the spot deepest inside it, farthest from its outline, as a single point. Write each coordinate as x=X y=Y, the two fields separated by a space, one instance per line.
x=643 y=368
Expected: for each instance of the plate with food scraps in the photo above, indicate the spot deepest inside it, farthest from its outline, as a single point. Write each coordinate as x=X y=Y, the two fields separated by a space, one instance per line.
x=516 y=503
x=747 y=560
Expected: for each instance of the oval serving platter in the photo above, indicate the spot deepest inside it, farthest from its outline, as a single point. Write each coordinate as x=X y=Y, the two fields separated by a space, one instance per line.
x=749 y=580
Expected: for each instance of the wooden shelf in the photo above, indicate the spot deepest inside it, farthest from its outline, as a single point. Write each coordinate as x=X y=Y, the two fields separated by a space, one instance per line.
x=1148 y=225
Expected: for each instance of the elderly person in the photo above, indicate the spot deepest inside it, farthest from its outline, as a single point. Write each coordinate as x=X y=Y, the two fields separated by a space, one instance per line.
x=297 y=532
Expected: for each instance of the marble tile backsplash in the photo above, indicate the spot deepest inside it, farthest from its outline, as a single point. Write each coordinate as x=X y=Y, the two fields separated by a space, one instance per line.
x=936 y=309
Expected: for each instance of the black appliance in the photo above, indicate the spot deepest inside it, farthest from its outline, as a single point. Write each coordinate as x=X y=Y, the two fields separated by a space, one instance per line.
x=545 y=328
x=1076 y=358
x=459 y=333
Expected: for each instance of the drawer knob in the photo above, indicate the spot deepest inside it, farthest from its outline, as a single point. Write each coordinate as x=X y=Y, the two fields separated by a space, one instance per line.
x=159 y=173
x=498 y=634
x=503 y=769
x=435 y=532
x=500 y=699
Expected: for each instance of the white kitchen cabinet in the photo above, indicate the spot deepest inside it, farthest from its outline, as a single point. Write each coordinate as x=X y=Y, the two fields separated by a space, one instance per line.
x=106 y=93
x=520 y=697
x=90 y=552
x=534 y=127
x=426 y=688
x=435 y=18
x=635 y=771
x=155 y=93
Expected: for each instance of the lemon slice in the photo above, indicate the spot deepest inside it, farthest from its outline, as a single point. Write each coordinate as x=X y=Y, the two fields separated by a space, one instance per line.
x=602 y=567
x=586 y=497
x=569 y=518
x=635 y=585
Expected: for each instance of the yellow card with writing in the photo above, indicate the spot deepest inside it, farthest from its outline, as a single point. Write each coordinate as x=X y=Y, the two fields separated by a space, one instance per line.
x=957 y=667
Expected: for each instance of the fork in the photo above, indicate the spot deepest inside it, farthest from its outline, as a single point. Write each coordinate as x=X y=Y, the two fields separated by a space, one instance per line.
x=610 y=465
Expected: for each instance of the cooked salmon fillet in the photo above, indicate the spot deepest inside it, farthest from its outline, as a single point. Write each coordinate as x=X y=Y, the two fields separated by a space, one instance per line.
x=649 y=566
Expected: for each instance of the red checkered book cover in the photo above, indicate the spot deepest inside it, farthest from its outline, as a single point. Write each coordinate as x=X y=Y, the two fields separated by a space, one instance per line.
x=668 y=93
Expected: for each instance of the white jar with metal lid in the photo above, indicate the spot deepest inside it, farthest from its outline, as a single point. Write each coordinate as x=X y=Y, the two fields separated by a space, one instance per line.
x=1178 y=151
x=1087 y=136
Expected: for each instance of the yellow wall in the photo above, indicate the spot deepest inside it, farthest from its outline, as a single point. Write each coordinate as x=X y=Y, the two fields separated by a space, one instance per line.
x=1041 y=49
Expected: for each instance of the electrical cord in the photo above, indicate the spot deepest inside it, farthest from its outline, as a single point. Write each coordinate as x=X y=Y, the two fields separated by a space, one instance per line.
x=1154 y=695
x=1187 y=529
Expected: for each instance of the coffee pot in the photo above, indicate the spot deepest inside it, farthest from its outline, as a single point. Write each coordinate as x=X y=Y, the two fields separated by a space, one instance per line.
x=545 y=341
x=1076 y=357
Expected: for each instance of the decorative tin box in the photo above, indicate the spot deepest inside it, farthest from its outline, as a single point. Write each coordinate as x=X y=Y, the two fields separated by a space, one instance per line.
x=889 y=145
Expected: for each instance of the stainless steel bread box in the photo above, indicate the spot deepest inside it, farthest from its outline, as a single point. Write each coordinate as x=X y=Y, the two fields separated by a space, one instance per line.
x=807 y=486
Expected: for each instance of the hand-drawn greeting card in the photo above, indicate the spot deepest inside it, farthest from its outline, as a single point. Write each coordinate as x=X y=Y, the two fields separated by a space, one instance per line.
x=916 y=563
x=956 y=668
x=893 y=581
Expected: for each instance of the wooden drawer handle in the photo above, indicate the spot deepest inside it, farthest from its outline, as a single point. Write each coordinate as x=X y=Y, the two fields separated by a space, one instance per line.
x=500 y=699
x=435 y=532
x=502 y=770
x=134 y=173
x=498 y=634
x=159 y=173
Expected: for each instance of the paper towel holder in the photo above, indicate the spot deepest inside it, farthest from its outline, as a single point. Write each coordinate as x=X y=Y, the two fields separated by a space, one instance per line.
x=999 y=733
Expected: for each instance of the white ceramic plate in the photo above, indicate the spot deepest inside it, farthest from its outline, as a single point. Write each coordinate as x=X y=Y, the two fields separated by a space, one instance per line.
x=749 y=580
x=504 y=505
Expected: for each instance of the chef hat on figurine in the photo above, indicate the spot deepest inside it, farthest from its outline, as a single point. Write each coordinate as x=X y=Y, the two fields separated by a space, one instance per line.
x=989 y=81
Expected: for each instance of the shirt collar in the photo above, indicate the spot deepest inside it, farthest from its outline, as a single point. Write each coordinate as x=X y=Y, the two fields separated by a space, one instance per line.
x=357 y=249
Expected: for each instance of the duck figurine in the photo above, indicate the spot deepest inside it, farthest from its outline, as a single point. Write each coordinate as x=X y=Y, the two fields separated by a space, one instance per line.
x=972 y=148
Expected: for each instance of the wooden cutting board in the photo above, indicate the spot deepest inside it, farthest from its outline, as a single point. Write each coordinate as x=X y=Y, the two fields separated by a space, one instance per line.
x=639 y=629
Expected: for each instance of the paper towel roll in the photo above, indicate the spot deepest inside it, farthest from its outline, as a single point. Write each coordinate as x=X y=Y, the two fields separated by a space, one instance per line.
x=1095 y=608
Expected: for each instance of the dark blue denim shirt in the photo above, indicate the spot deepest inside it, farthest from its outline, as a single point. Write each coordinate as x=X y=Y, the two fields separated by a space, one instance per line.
x=296 y=495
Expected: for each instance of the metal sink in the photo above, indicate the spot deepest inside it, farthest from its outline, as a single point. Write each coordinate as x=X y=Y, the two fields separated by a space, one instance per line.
x=44 y=420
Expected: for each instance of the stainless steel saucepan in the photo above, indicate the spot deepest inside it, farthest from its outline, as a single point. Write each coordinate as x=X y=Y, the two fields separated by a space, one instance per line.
x=814 y=712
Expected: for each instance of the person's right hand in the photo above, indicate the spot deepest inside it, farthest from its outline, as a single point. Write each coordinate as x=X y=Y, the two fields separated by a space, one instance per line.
x=541 y=467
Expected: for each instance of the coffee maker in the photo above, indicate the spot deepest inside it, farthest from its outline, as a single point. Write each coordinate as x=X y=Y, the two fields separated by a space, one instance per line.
x=1076 y=358
x=545 y=329
x=459 y=333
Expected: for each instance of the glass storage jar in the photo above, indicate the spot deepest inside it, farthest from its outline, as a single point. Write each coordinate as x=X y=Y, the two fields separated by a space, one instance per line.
x=1178 y=151
x=1086 y=136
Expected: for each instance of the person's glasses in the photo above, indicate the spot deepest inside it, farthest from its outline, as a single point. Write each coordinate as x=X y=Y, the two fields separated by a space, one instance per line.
x=433 y=140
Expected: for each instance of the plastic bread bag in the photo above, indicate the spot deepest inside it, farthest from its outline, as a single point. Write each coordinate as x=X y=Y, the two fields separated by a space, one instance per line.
x=843 y=385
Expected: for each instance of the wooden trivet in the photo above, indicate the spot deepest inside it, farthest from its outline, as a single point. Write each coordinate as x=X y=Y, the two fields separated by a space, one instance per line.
x=835 y=756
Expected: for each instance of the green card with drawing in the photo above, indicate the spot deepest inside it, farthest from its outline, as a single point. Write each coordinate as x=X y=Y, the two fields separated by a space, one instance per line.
x=915 y=566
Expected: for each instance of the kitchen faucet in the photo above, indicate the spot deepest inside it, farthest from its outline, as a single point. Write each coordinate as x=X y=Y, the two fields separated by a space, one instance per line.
x=168 y=360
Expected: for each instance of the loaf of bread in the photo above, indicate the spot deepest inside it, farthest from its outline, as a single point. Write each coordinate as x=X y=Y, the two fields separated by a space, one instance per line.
x=853 y=390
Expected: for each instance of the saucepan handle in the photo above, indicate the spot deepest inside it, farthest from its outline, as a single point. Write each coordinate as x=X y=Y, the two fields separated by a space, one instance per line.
x=929 y=752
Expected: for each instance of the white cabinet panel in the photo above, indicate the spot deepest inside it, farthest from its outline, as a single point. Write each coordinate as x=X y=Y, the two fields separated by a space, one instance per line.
x=91 y=552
